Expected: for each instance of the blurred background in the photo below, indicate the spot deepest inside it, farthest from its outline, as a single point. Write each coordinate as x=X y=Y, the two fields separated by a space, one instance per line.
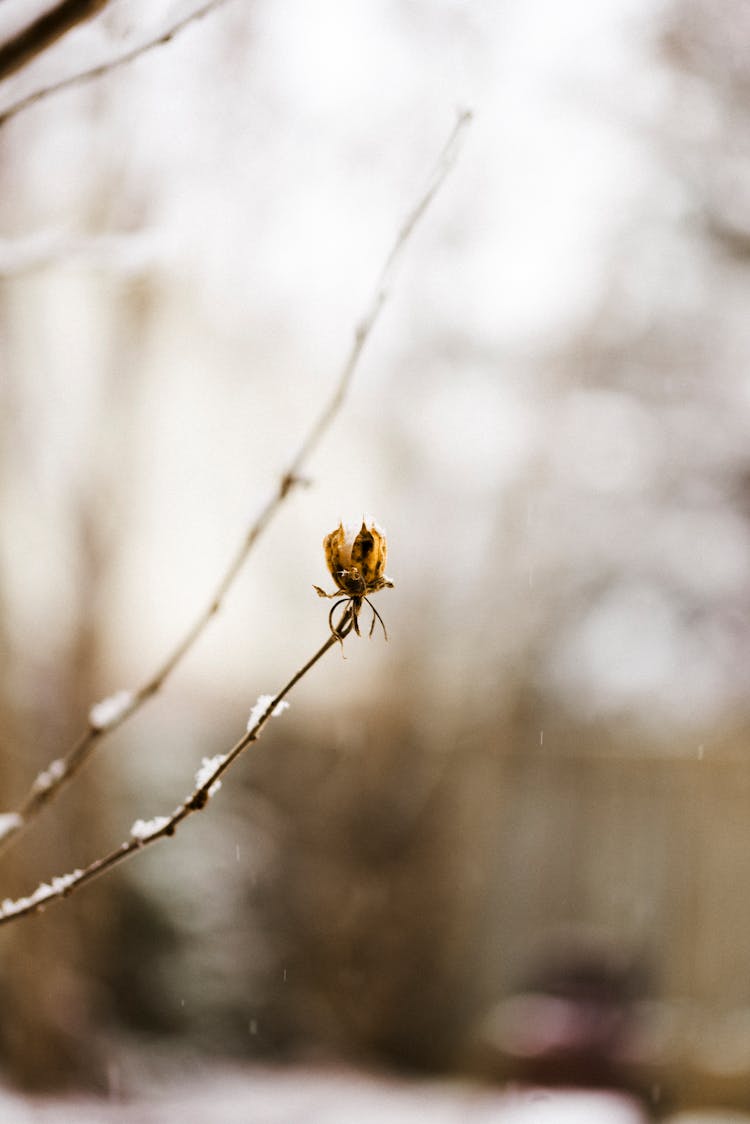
x=540 y=786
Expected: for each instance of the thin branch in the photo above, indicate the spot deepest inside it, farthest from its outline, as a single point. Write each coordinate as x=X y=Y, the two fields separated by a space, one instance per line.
x=445 y=162
x=45 y=30
x=111 y=65
x=143 y=834
x=49 y=783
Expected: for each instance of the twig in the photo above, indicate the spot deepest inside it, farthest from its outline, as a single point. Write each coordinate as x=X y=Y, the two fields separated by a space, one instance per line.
x=445 y=162
x=143 y=834
x=99 y=71
x=45 y=30
x=48 y=784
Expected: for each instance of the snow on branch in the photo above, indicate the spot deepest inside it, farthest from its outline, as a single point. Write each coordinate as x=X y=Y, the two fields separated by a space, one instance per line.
x=260 y=708
x=128 y=704
x=207 y=782
x=112 y=711
x=142 y=829
x=50 y=777
x=10 y=823
x=58 y=887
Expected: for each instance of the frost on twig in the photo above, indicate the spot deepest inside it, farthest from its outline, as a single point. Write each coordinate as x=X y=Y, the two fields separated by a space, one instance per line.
x=56 y=888
x=209 y=766
x=141 y=829
x=50 y=776
x=111 y=711
x=144 y=832
x=260 y=708
x=100 y=725
x=10 y=822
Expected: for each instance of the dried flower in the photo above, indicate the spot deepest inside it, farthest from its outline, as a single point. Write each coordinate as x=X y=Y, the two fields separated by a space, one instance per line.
x=356 y=560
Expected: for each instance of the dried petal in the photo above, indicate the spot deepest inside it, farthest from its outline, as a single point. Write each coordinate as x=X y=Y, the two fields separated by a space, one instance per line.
x=369 y=555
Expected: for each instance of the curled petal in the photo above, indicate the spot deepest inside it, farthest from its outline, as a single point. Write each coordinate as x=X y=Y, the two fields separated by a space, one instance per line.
x=338 y=551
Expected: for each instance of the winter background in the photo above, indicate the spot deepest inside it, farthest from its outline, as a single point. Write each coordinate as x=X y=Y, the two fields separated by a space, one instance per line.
x=540 y=783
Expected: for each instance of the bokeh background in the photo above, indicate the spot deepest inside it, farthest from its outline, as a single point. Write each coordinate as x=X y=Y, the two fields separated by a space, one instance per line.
x=546 y=766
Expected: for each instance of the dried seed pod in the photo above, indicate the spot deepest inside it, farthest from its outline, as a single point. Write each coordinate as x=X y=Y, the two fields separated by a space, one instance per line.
x=356 y=561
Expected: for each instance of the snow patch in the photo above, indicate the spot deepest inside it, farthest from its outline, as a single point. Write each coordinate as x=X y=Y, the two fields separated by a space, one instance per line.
x=54 y=772
x=111 y=711
x=54 y=889
x=209 y=765
x=260 y=708
x=143 y=829
x=9 y=823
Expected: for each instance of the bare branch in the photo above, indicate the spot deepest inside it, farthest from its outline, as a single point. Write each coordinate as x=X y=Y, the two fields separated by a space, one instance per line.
x=49 y=783
x=445 y=162
x=108 y=67
x=45 y=30
x=144 y=833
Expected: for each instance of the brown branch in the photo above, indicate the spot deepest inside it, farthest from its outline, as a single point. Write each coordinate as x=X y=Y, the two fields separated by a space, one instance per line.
x=45 y=30
x=143 y=834
x=108 y=67
x=50 y=782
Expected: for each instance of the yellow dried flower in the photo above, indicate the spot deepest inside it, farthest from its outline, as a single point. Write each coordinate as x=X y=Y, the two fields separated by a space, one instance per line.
x=356 y=560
